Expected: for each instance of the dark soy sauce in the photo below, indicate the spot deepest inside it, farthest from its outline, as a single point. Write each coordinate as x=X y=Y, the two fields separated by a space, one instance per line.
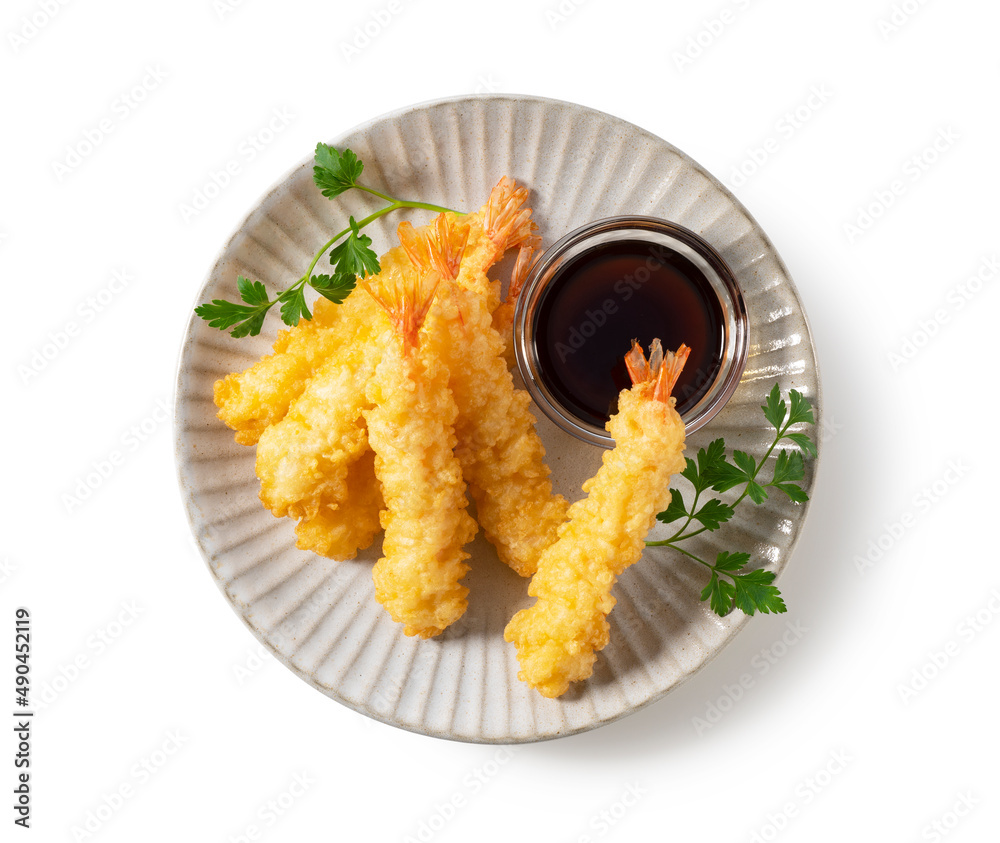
x=602 y=299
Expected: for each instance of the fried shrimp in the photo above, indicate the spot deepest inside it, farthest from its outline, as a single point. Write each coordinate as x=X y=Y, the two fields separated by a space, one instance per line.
x=411 y=429
x=252 y=400
x=506 y=224
x=557 y=638
x=501 y=455
x=305 y=461
x=472 y=244
x=303 y=406
x=340 y=530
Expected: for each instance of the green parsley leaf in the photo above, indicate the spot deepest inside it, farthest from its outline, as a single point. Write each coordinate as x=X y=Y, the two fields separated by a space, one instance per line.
x=354 y=255
x=293 y=306
x=751 y=591
x=720 y=594
x=746 y=463
x=251 y=327
x=713 y=514
x=690 y=472
x=335 y=172
x=787 y=467
x=754 y=592
x=804 y=442
x=710 y=461
x=756 y=492
x=675 y=510
x=252 y=292
x=775 y=408
x=793 y=491
x=801 y=409
x=731 y=562
x=335 y=287
x=223 y=314
x=727 y=476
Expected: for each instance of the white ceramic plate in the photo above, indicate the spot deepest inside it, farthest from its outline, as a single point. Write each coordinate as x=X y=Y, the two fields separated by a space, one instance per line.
x=320 y=617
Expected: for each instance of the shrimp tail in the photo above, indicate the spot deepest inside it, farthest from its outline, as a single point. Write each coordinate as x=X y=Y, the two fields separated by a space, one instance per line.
x=506 y=221
x=406 y=301
x=438 y=248
x=526 y=259
x=661 y=370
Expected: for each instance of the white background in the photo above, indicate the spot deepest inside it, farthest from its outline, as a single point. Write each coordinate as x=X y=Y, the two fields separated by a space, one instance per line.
x=873 y=724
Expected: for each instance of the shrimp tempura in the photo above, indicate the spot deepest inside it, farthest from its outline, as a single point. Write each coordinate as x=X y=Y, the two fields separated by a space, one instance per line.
x=557 y=638
x=304 y=403
x=410 y=428
x=346 y=524
x=306 y=461
x=502 y=456
x=503 y=223
x=260 y=396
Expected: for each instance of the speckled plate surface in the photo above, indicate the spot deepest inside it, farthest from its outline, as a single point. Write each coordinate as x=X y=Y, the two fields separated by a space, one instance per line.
x=320 y=617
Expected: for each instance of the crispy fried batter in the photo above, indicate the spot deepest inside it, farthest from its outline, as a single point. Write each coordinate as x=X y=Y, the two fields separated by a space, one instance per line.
x=344 y=383
x=306 y=461
x=502 y=456
x=251 y=400
x=410 y=428
x=557 y=638
x=340 y=530
x=304 y=402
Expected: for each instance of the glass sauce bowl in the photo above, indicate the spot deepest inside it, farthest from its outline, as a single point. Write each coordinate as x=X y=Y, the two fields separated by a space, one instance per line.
x=613 y=280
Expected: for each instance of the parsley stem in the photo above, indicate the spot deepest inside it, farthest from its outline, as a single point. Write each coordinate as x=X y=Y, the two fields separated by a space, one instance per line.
x=668 y=543
x=381 y=212
x=333 y=173
x=714 y=569
x=403 y=203
x=374 y=192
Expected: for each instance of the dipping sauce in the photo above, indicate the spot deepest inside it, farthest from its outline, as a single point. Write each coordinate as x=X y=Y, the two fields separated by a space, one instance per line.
x=601 y=299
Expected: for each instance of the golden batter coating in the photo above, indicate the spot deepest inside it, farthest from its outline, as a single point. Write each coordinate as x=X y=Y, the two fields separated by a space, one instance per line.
x=303 y=405
x=502 y=456
x=558 y=637
x=306 y=461
x=339 y=530
x=260 y=396
x=411 y=429
x=503 y=316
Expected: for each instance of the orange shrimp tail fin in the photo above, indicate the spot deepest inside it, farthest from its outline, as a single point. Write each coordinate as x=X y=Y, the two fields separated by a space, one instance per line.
x=406 y=299
x=413 y=244
x=670 y=371
x=526 y=259
x=440 y=248
x=507 y=222
x=661 y=370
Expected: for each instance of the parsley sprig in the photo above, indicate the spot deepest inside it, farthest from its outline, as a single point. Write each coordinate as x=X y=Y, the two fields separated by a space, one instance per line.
x=731 y=582
x=334 y=173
